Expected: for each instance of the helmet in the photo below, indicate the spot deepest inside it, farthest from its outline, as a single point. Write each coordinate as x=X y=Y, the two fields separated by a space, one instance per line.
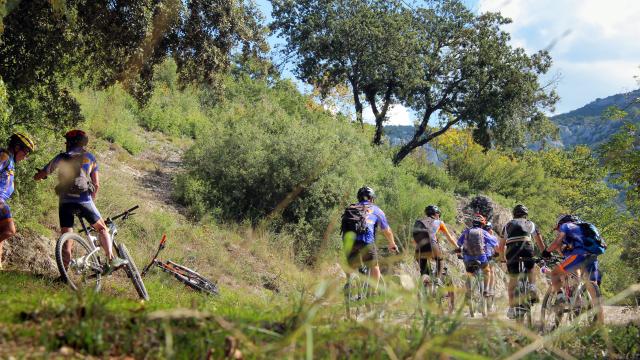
x=22 y=140
x=366 y=193
x=520 y=211
x=488 y=226
x=76 y=137
x=431 y=210
x=478 y=220
x=566 y=218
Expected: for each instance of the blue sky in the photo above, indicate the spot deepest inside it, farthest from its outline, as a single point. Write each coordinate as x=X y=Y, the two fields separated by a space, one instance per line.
x=596 y=44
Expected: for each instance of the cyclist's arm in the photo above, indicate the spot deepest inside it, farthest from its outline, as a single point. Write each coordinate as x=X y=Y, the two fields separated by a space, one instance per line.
x=389 y=235
x=47 y=169
x=557 y=243
x=443 y=229
x=95 y=179
x=538 y=239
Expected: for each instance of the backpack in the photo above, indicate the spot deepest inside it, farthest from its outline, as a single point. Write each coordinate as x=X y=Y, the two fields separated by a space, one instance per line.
x=591 y=240
x=354 y=219
x=474 y=242
x=423 y=231
x=71 y=179
x=518 y=229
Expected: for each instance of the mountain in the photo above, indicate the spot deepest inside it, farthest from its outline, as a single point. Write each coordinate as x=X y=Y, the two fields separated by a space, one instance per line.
x=583 y=126
x=587 y=126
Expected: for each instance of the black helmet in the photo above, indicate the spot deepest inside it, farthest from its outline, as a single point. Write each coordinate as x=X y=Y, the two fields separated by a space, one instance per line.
x=366 y=193
x=478 y=220
x=520 y=211
x=76 y=138
x=431 y=210
x=566 y=218
x=22 y=140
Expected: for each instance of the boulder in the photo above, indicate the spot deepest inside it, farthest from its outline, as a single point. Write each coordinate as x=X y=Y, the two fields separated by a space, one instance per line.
x=30 y=252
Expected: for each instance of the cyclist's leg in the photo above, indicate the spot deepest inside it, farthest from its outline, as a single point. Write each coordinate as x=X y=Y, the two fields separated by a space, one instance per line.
x=66 y=217
x=592 y=281
x=486 y=278
x=89 y=211
x=513 y=269
x=7 y=226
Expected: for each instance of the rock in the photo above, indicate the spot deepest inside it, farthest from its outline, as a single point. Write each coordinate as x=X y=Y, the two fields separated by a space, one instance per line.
x=30 y=252
x=497 y=214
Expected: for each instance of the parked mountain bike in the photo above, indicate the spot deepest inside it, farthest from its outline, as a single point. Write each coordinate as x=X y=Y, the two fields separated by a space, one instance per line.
x=86 y=265
x=579 y=305
x=182 y=273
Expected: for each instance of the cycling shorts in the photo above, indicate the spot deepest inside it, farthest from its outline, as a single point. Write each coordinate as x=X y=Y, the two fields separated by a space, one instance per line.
x=5 y=211
x=587 y=262
x=471 y=266
x=87 y=211
x=519 y=249
x=362 y=254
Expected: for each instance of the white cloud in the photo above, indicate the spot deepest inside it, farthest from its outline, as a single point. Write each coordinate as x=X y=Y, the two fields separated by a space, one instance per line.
x=596 y=42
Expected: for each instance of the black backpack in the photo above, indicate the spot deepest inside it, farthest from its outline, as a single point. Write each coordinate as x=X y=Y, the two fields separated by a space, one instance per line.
x=354 y=219
x=73 y=181
x=423 y=231
x=592 y=241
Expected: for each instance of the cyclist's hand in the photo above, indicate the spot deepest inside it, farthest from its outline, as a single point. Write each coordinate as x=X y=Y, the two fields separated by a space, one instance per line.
x=546 y=254
x=458 y=250
x=393 y=248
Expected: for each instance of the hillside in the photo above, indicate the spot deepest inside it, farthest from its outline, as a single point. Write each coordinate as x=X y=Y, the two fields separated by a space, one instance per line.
x=586 y=125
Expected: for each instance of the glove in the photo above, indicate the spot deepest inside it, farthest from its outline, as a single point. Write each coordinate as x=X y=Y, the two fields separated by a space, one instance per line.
x=458 y=250
x=545 y=254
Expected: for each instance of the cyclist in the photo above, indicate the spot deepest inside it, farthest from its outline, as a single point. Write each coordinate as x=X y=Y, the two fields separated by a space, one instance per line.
x=425 y=238
x=361 y=247
x=516 y=243
x=19 y=146
x=78 y=184
x=570 y=243
x=478 y=245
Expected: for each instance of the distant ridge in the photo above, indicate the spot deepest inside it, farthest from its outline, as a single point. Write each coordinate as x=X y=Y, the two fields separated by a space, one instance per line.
x=582 y=126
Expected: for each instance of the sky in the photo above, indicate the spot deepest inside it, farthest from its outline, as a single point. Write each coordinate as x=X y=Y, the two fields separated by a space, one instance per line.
x=594 y=44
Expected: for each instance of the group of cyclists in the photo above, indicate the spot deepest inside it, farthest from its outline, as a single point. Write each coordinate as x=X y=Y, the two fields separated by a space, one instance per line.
x=478 y=243
x=78 y=184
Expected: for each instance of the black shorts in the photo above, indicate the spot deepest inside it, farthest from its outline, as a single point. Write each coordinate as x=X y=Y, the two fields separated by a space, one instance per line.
x=472 y=266
x=519 y=249
x=87 y=210
x=362 y=254
x=423 y=256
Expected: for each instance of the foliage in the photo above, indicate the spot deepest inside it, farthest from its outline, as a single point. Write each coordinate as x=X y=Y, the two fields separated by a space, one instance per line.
x=46 y=43
x=362 y=44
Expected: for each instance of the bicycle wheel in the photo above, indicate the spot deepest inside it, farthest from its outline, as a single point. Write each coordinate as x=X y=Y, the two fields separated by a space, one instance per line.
x=470 y=296
x=132 y=272
x=582 y=303
x=194 y=280
x=353 y=295
x=551 y=313
x=83 y=268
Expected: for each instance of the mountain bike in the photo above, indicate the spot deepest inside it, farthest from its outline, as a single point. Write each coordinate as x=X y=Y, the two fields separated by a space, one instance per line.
x=579 y=305
x=359 y=291
x=86 y=265
x=182 y=273
x=437 y=289
x=522 y=295
x=475 y=290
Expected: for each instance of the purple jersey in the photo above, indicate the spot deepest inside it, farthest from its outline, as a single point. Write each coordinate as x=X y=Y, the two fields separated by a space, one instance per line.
x=375 y=219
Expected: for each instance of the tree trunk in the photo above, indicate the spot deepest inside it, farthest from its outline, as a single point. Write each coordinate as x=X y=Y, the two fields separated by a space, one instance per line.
x=377 y=137
x=357 y=102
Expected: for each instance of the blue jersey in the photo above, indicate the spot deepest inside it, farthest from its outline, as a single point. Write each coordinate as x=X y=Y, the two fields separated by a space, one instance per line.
x=490 y=243
x=7 y=166
x=89 y=167
x=375 y=219
x=573 y=239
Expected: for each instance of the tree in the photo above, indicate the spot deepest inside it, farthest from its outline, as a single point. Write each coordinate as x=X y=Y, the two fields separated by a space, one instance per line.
x=359 y=43
x=47 y=45
x=472 y=77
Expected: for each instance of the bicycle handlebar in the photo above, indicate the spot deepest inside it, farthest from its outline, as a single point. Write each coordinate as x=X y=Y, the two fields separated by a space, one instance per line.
x=125 y=214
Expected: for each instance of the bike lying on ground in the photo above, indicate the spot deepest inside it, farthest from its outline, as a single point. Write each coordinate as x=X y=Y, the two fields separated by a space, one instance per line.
x=86 y=265
x=182 y=273
x=579 y=305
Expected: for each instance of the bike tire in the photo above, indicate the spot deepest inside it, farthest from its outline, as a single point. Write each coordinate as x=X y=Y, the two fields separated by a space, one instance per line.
x=550 y=318
x=93 y=271
x=195 y=281
x=133 y=273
